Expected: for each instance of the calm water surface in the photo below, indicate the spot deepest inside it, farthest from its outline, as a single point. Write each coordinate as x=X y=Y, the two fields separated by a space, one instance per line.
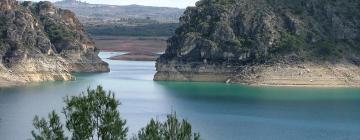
x=217 y=111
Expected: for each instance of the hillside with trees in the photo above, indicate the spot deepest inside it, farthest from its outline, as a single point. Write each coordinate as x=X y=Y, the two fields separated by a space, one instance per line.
x=130 y=20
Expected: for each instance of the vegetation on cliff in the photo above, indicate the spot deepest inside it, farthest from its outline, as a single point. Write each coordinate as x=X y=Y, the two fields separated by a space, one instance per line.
x=266 y=42
x=263 y=31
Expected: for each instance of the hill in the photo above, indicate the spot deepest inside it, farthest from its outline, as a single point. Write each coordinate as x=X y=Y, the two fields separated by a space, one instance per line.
x=130 y=20
x=39 y=42
x=262 y=42
x=130 y=14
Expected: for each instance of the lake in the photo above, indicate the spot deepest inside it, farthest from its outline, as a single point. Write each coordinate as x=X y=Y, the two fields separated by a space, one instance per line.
x=218 y=111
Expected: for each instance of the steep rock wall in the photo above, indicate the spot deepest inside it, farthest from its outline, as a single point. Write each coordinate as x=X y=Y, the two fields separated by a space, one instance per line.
x=39 y=42
x=232 y=38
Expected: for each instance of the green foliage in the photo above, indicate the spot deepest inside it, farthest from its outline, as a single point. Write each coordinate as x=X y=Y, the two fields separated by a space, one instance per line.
x=94 y=114
x=171 y=129
x=1 y=43
x=141 y=30
x=224 y=2
x=237 y=46
x=326 y=50
x=2 y=30
x=289 y=43
x=57 y=32
x=48 y=130
x=151 y=132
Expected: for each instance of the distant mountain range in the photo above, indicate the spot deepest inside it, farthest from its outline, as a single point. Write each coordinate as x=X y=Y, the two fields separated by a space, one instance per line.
x=100 y=13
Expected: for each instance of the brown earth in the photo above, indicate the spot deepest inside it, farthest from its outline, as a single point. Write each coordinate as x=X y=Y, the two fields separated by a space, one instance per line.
x=137 y=56
x=300 y=75
x=130 y=44
x=138 y=48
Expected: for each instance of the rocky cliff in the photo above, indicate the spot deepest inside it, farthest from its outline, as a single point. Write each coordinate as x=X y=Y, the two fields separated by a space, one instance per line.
x=266 y=42
x=39 y=42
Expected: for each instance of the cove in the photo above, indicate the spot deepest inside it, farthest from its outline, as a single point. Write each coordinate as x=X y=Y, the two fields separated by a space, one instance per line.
x=218 y=111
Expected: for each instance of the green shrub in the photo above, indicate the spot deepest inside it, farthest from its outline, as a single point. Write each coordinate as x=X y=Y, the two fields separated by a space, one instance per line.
x=171 y=129
x=289 y=43
x=57 y=33
x=2 y=30
x=2 y=44
x=48 y=130
x=326 y=50
x=224 y=2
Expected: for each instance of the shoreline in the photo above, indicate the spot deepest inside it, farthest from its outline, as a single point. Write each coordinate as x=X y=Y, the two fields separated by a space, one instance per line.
x=4 y=84
x=302 y=75
x=136 y=56
x=135 y=48
x=31 y=78
x=270 y=85
x=7 y=84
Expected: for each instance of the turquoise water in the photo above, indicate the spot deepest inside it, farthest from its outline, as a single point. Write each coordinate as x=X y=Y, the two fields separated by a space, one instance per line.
x=217 y=111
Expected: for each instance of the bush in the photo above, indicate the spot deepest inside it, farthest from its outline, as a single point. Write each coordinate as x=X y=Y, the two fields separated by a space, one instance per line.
x=2 y=44
x=57 y=32
x=327 y=50
x=94 y=114
x=289 y=43
x=48 y=130
x=171 y=129
x=2 y=30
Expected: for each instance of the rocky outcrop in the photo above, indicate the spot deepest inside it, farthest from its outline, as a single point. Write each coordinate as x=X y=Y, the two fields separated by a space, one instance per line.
x=39 y=42
x=243 y=41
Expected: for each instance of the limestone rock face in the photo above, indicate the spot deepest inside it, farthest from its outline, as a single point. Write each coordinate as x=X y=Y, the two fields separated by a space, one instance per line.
x=230 y=38
x=40 y=42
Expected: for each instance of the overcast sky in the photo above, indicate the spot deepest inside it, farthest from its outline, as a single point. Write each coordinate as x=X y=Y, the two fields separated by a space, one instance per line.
x=162 y=3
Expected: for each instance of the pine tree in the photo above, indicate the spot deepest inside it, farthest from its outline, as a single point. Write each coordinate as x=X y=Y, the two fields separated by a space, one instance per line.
x=151 y=132
x=94 y=115
x=171 y=129
x=48 y=130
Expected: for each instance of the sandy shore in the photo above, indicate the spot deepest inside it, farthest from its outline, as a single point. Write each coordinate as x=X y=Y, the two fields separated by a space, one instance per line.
x=137 y=56
x=304 y=75
x=5 y=83
x=23 y=79
x=137 y=48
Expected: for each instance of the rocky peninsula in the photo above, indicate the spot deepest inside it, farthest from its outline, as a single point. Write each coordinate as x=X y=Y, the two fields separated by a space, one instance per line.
x=39 y=42
x=266 y=43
